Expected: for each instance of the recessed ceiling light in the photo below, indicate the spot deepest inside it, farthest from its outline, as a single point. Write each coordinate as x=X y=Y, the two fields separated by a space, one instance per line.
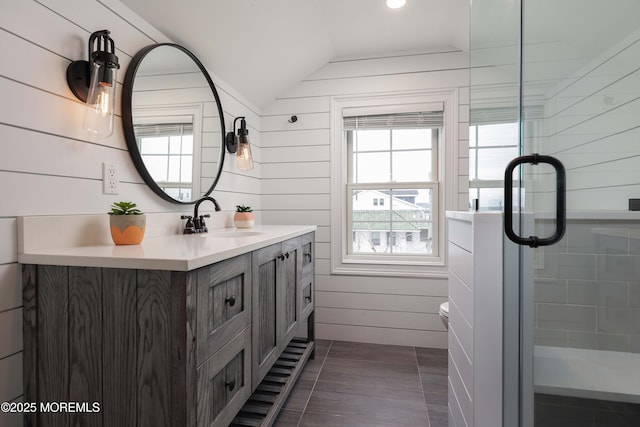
x=395 y=4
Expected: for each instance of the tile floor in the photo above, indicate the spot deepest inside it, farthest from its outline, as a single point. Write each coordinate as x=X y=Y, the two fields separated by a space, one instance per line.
x=355 y=384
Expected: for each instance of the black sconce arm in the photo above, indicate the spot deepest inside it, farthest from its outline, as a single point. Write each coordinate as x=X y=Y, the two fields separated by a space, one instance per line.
x=231 y=143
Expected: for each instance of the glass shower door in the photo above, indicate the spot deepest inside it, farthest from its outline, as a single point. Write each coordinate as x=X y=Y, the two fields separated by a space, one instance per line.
x=571 y=69
x=580 y=103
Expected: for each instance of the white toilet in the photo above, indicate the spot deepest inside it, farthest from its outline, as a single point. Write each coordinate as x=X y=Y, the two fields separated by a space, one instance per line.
x=444 y=313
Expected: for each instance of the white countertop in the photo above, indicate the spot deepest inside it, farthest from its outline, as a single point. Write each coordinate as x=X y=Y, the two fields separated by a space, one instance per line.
x=165 y=252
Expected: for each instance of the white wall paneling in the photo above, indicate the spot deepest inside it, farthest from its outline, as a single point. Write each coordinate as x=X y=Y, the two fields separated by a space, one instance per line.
x=296 y=137
x=305 y=153
x=11 y=331
x=10 y=287
x=368 y=84
x=379 y=285
x=417 y=62
x=294 y=186
x=9 y=242
x=377 y=335
x=11 y=385
x=475 y=318
x=357 y=308
x=592 y=127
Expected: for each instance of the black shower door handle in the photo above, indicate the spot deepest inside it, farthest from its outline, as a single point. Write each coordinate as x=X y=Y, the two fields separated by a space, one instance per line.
x=561 y=211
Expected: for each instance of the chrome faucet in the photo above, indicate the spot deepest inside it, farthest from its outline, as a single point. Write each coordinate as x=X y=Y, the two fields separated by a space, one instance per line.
x=196 y=224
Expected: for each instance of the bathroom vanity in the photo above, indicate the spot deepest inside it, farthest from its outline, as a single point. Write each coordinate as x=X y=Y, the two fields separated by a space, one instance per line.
x=195 y=330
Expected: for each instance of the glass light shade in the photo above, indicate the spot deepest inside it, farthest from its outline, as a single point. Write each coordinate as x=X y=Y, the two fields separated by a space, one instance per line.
x=244 y=159
x=98 y=118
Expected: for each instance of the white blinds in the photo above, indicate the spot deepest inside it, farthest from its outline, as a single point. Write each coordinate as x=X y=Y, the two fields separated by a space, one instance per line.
x=426 y=119
x=163 y=129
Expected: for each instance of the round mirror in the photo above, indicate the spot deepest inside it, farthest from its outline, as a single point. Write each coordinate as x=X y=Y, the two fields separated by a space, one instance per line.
x=173 y=123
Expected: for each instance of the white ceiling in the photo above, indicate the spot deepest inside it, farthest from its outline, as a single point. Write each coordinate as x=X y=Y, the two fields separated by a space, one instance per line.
x=264 y=47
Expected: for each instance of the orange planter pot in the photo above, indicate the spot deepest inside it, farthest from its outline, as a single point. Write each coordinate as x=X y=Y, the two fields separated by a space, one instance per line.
x=127 y=229
x=243 y=219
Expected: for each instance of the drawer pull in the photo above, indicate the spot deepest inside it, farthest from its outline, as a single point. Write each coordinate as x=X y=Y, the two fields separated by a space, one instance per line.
x=230 y=385
x=231 y=300
x=308 y=299
x=308 y=255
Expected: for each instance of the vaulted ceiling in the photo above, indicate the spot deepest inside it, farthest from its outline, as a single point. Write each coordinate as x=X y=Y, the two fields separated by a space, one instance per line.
x=263 y=47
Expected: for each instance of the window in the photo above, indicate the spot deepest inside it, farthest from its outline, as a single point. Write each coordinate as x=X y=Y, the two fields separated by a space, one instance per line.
x=170 y=142
x=494 y=137
x=392 y=157
x=167 y=152
x=387 y=192
x=491 y=148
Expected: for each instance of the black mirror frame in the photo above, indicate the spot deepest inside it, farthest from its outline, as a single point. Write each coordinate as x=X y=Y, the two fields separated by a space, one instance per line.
x=127 y=120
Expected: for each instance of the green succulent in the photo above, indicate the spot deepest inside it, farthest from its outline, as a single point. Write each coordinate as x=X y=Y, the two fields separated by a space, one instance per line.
x=243 y=208
x=124 y=208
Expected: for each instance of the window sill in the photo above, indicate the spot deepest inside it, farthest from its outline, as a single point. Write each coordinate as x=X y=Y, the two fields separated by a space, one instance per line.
x=436 y=270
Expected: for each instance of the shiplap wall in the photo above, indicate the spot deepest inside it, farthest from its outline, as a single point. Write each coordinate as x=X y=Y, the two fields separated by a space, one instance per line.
x=48 y=166
x=296 y=190
x=593 y=127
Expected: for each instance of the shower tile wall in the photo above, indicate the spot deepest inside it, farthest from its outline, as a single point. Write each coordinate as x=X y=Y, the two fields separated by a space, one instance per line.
x=587 y=287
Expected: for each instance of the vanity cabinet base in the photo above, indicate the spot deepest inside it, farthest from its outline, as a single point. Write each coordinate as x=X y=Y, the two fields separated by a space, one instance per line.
x=157 y=348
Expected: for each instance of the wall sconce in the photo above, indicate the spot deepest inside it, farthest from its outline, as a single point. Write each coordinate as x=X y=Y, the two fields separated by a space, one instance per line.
x=239 y=144
x=94 y=82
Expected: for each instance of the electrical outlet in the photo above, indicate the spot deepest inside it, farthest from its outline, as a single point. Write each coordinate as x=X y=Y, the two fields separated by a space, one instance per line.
x=110 y=181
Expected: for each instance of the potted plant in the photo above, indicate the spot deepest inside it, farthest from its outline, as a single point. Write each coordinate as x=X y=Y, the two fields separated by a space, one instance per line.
x=243 y=218
x=127 y=223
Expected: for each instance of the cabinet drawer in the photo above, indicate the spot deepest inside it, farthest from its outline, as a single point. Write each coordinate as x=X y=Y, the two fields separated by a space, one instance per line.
x=306 y=296
x=223 y=304
x=224 y=382
x=308 y=256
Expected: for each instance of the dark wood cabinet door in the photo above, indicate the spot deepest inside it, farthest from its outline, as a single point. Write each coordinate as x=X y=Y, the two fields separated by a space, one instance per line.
x=291 y=268
x=265 y=271
x=224 y=382
x=223 y=304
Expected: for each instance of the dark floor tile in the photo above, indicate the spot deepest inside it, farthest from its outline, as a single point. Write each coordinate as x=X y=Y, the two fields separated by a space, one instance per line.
x=370 y=373
x=436 y=387
x=380 y=410
x=438 y=415
x=287 y=418
x=380 y=389
x=322 y=347
x=438 y=397
x=299 y=395
x=312 y=369
x=372 y=352
x=435 y=380
x=433 y=370
x=432 y=357
x=312 y=419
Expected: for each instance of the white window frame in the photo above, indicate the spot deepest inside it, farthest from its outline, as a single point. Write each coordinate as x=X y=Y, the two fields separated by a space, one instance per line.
x=175 y=113
x=400 y=266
